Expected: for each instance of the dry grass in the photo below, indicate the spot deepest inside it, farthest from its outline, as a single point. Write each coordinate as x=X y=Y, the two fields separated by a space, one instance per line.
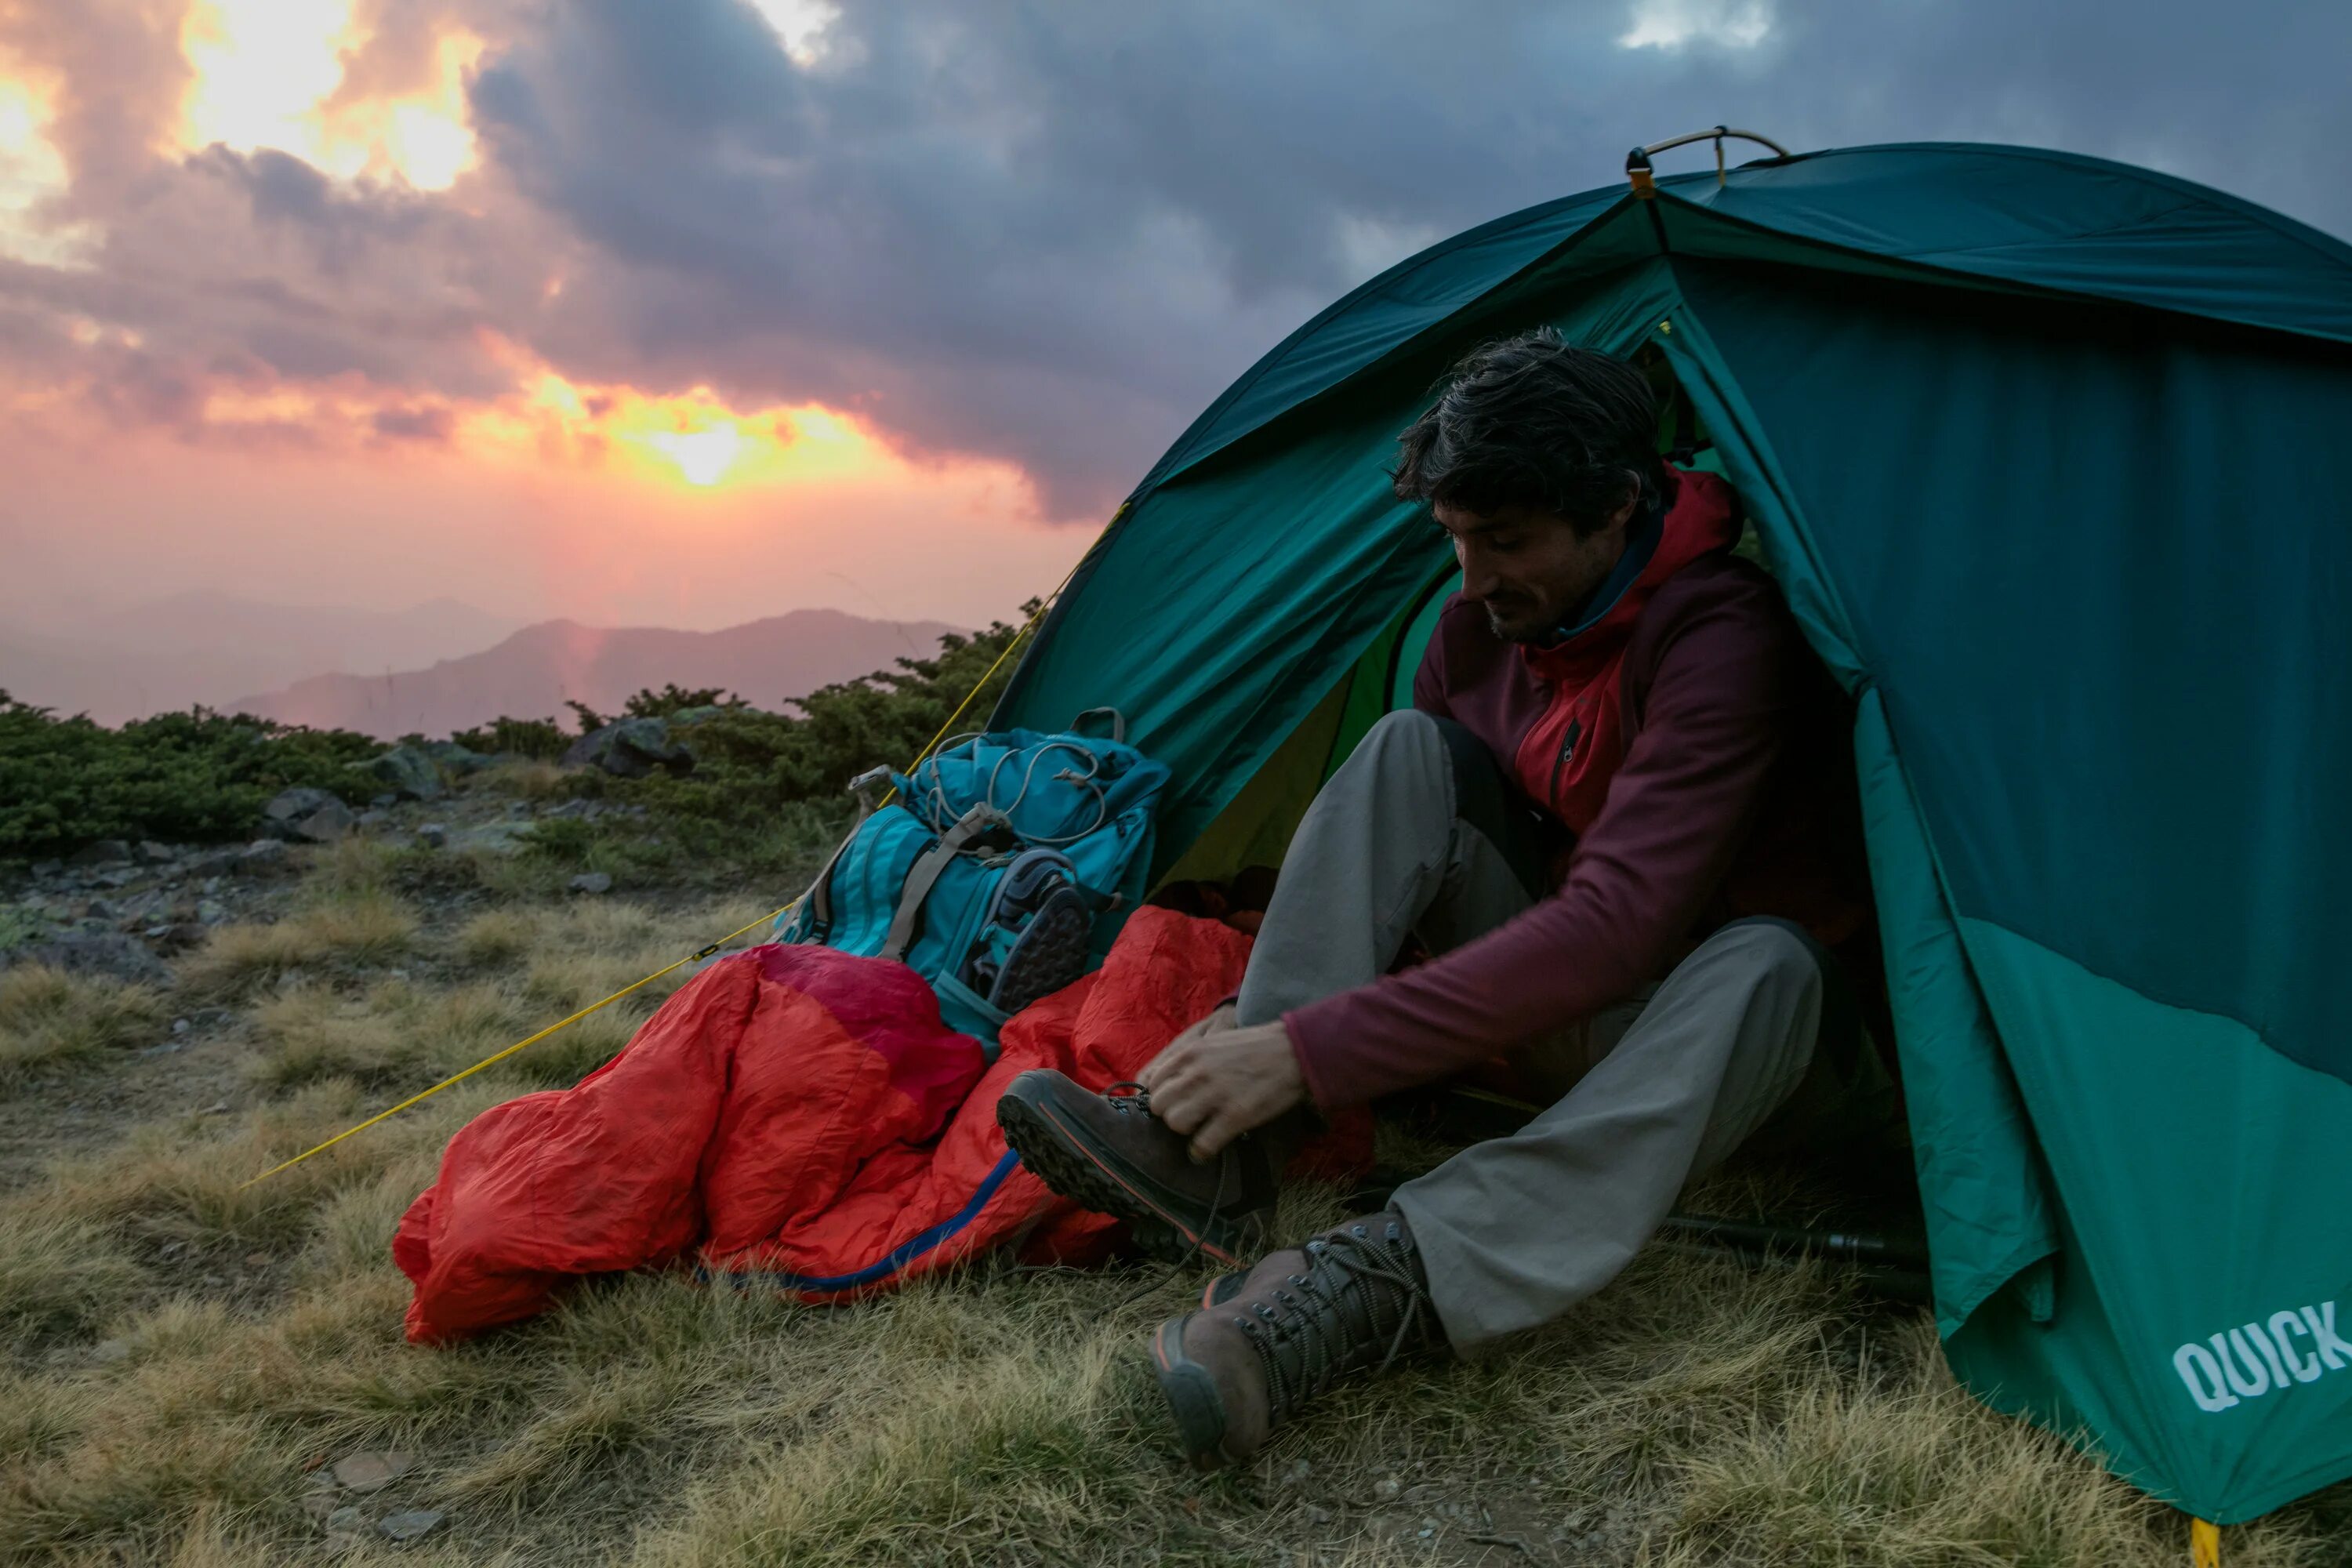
x=48 y=1016
x=1697 y=1415
x=179 y=1347
x=497 y=937
x=530 y=780
x=522 y=968
x=184 y=1179
x=364 y=926
x=349 y=867
x=58 y=1276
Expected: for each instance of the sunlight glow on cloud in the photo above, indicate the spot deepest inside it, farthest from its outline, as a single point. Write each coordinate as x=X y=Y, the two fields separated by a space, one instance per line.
x=33 y=174
x=263 y=73
x=694 y=440
x=1671 y=24
x=802 y=24
x=260 y=70
x=423 y=139
x=290 y=409
x=704 y=456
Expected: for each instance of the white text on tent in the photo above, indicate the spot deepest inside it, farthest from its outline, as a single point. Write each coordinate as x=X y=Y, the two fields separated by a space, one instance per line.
x=2250 y=1362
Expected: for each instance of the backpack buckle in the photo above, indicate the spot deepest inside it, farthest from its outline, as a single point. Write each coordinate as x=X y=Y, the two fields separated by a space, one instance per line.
x=865 y=785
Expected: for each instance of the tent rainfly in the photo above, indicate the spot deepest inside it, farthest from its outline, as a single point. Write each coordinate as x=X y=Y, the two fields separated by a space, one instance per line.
x=2035 y=444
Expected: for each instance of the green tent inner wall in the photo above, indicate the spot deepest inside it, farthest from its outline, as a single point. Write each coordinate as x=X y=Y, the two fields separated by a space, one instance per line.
x=2030 y=442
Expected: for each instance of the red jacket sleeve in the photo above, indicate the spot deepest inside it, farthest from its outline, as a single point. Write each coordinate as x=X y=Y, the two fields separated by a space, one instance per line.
x=1711 y=730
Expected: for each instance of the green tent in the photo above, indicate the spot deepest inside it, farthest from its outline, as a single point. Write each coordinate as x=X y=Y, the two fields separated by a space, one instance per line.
x=2035 y=444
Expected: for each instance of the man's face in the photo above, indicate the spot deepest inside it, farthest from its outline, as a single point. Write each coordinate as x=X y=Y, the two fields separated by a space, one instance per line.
x=1527 y=569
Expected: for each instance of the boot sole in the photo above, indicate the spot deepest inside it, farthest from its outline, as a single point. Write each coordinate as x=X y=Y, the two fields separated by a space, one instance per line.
x=1049 y=953
x=1064 y=1159
x=1192 y=1394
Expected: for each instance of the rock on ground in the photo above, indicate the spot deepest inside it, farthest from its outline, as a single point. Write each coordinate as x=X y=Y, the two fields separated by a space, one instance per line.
x=407 y=770
x=630 y=748
x=409 y=1523
x=293 y=804
x=374 y=1469
x=262 y=857
x=121 y=957
x=328 y=823
x=456 y=760
x=309 y=814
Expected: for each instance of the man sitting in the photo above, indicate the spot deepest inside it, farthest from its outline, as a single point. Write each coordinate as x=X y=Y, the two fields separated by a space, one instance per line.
x=1622 y=764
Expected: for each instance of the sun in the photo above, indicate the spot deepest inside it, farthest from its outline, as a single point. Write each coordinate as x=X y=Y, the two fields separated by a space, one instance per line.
x=695 y=439
x=703 y=456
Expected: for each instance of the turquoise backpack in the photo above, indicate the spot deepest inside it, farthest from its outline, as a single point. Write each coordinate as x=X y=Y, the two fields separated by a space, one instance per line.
x=999 y=870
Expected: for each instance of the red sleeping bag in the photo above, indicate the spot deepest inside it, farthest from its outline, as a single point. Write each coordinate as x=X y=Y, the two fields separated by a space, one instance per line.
x=803 y=1117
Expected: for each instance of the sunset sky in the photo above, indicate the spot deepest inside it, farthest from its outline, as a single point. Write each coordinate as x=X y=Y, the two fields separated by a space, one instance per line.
x=689 y=312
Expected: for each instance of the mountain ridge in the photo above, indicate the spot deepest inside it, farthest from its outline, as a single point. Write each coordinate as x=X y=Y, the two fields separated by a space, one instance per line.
x=209 y=646
x=533 y=671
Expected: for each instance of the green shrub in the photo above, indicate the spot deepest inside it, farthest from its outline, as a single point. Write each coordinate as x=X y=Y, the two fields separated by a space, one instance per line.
x=542 y=740
x=749 y=764
x=201 y=775
x=197 y=775
x=675 y=699
x=563 y=839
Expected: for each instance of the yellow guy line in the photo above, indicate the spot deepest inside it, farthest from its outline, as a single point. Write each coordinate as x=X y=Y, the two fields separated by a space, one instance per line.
x=518 y=1044
x=1027 y=626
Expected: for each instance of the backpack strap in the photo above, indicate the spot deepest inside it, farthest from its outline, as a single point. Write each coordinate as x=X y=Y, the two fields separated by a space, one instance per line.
x=924 y=875
x=818 y=899
x=1118 y=723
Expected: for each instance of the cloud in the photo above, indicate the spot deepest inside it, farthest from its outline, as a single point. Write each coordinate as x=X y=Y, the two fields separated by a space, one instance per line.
x=1041 y=236
x=432 y=424
x=1672 y=24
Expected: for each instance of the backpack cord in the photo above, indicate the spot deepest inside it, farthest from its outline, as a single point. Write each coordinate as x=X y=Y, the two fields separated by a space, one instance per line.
x=938 y=812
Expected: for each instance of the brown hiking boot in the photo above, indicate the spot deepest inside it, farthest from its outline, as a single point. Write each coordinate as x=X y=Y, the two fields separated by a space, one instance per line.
x=1107 y=1152
x=1353 y=1296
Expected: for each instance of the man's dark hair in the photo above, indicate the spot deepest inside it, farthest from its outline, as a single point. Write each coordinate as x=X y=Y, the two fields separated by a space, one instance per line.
x=1533 y=421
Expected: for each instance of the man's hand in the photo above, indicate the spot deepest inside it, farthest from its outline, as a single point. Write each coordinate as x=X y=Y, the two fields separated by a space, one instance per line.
x=1217 y=1080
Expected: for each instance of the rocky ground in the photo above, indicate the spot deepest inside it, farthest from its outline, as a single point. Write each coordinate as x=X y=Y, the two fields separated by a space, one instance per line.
x=123 y=908
x=132 y=913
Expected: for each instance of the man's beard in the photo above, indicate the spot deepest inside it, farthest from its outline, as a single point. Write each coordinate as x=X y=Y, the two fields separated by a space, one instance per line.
x=1514 y=628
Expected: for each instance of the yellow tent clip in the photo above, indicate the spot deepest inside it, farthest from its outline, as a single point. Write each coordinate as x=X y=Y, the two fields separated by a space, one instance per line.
x=2204 y=1544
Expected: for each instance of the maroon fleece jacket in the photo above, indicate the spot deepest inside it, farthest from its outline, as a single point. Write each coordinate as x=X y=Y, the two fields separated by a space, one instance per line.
x=1735 y=796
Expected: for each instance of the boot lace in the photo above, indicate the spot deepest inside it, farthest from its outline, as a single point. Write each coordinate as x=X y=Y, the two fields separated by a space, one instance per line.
x=1131 y=1098
x=1359 y=1297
